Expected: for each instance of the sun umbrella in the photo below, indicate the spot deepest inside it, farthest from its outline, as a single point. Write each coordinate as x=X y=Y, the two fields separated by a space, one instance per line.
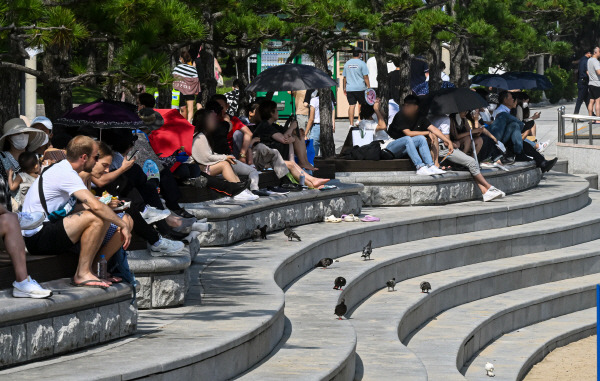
x=454 y=100
x=513 y=81
x=101 y=114
x=290 y=77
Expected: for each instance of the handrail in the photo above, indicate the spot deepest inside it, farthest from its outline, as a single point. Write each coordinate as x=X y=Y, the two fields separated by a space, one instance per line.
x=575 y=118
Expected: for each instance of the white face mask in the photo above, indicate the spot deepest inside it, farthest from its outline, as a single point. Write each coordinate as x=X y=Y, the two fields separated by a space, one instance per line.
x=492 y=107
x=525 y=104
x=19 y=141
x=458 y=120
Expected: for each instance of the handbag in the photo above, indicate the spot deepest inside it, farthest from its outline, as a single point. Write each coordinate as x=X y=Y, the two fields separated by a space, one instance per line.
x=63 y=211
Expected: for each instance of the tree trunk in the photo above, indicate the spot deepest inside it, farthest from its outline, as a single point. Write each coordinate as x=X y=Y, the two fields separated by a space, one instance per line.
x=9 y=95
x=91 y=65
x=208 y=83
x=327 y=149
x=460 y=64
x=383 y=90
x=435 y=57
x=241 y=60
x=164 y=96
x=404 y=70
x=58 y=98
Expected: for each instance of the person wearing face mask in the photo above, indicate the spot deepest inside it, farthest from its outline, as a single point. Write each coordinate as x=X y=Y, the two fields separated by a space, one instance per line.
x=16 y=139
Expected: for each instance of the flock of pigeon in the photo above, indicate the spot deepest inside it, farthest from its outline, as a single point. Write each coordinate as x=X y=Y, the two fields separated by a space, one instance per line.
x=339 y=282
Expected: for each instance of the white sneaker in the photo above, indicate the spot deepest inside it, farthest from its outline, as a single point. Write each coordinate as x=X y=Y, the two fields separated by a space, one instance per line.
x=502 y=194
x=543 y=146
x=491 y=194
x=152 y=215
x=29 y=221
x=246 y=195
x=165 y=247
x=435 y=170
x=29 y=288
x=424 y=171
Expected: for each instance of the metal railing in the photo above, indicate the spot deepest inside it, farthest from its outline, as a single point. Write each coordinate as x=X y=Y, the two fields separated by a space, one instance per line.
x=575 y=118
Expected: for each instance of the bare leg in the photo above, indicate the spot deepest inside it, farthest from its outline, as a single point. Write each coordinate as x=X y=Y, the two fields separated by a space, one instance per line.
x=300 y=151
x=598 y=107
x=190 y=110
x=351 y=114
x=183 y=110
x=312 y=181
x=198 y=106
x=224 y=168
x=114 y=244
x=482 y=183
x=591 y=106
x=434 y=148
x=87 y=229
x=10 y=231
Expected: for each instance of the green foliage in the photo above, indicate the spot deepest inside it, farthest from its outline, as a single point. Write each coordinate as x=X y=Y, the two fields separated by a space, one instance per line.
x=563 y=86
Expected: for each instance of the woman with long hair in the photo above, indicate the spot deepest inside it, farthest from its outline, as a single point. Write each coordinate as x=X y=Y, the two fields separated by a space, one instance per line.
x=187 y=83
x=205 y=123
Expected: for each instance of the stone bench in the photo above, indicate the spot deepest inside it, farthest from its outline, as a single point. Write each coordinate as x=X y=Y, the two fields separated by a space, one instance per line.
x=73 y=318
x=163 y=281
x=400 y=188
x=231 y=221
x=515 y=353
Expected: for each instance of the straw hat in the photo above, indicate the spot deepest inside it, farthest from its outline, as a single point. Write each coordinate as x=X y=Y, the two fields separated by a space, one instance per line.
x=17 y=126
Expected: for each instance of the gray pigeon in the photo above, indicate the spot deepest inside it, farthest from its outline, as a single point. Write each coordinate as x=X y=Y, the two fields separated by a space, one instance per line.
x=341 y=309
x=391 y=284
x=256 y=234
x=366 y=252
x=263 y=232
x=339 y=282
x=290 y=233
x=324 y=263
x=425 y=287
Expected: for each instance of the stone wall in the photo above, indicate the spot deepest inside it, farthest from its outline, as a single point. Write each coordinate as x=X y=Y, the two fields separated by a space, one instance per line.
x=38 y=339
x=405 y=189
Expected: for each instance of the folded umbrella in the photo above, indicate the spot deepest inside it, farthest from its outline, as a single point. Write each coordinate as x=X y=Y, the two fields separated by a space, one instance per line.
x=455 y=100
x=291 y=77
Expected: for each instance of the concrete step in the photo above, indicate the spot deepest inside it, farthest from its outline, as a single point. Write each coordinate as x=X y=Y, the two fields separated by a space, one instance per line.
x=452 y=338
x=328 y=345
x=514 y=353
x=592 y=178
x=400 y=312
x=233 y=315
x=562 y=165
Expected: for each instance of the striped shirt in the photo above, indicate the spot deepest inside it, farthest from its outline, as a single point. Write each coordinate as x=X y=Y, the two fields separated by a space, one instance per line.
x=185 y=70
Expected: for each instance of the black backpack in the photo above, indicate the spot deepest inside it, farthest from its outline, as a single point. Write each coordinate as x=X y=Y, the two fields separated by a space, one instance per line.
x=371 y=151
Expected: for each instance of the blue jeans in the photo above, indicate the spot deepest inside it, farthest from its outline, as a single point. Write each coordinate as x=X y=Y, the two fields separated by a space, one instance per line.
x=507 y=129
x=416 y=148
x=315 y=135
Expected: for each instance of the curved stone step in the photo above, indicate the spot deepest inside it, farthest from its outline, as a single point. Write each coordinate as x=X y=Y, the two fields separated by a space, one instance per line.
x=378 y=333
x=450 y=339
x=233 y=318
x=422 y=255
x=514 y=353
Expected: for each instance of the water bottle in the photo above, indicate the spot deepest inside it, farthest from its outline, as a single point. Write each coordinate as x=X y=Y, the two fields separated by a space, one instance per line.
x=102 y=267
x=302 y=178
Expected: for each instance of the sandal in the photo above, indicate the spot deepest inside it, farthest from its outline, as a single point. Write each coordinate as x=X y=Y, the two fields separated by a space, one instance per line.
x=114 y=279
x=350 y=218
x=369 y=218
x=332 y=218
x=86 y=283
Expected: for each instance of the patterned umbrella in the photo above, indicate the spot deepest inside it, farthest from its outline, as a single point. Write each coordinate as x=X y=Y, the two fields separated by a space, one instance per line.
x=102 y=114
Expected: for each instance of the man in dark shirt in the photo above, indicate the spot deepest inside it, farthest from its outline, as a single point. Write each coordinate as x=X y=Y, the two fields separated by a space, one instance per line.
x=419 y=72
x=409 y=131
x=582 y=82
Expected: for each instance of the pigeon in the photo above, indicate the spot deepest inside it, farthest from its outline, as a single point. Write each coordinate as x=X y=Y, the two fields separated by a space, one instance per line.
x=425 y=287
x=256 y=234
x=263 y=232
x=341 y=309
x=290 y=233
x=339 y=282
x=324 y=263
x=489 y=369
x=366 y=252
x=391 y=284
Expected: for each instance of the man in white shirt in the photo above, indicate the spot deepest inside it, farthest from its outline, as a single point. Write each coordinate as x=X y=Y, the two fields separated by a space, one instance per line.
x=507 y=103
x=372 y=66
x=594 y=83
x=60 y=189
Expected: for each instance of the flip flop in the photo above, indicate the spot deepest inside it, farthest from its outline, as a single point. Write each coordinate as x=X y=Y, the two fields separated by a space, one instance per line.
x=369 y=218
x=332 y=218
x=86 y=283
x=350 y=218
x=114 y=279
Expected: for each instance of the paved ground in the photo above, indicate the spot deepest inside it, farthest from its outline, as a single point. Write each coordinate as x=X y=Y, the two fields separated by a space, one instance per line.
x=576 y=361
x=547 y=127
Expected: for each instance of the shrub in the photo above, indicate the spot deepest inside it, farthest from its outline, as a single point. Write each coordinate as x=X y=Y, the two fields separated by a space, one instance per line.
x=563 y=85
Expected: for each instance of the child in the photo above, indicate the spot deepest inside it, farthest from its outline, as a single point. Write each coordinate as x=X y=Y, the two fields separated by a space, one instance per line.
x=30 y=170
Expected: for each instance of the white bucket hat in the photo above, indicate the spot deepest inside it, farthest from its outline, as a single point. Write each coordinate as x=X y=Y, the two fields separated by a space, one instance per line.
x=17 y=126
